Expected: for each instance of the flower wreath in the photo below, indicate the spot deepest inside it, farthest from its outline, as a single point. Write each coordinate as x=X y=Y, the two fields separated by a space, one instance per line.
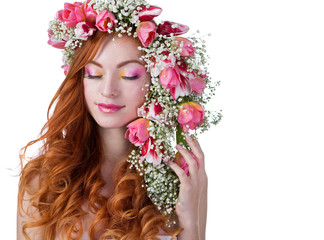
x=180 y=87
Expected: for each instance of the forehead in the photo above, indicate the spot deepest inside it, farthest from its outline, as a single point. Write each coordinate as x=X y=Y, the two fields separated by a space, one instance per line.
x=121 y=49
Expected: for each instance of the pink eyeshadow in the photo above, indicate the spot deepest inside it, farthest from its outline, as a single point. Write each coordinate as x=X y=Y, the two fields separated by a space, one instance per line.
x=133 y=72
x=91 y=71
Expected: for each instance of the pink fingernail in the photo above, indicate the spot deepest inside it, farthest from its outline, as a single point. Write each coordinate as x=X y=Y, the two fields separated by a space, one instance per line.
x=189 y=138
x=179 y=147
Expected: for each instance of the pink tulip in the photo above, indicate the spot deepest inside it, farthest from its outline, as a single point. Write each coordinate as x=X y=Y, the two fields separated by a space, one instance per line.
x=105 y=20
x=153 y=112
x=149 y=152
x=177 y=85
x=170 y=58
x=187 y=48
x=161 y=64
x=171 y=27
x=66 y=69
x=148 y=14
x=183 y=89
x=179 y=159
x=170 y=77
x=137 y=132
x=155 y=109
x=146 y=32
x=84 y=30
x=90 y=13
x=197 y=81
x=72 y=14
x=190 y=116
x=55 y=42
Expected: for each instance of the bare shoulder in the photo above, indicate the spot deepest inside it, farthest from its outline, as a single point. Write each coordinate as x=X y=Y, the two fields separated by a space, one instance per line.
x=28 y=213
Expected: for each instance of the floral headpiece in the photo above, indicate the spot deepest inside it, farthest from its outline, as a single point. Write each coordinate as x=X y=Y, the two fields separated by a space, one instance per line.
x=180 y=89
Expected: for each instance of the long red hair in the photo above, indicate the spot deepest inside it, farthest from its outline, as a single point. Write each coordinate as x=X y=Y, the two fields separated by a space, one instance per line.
x=67 y=168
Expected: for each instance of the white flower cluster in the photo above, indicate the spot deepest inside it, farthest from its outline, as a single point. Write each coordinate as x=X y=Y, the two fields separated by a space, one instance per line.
x=162 y=186
x=157 y=51
x=134 y=160
x=61 y=32
x=123 y=8
x=125 y=12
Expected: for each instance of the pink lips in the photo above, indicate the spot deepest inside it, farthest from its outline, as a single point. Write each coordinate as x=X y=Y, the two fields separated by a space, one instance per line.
x=109 y=108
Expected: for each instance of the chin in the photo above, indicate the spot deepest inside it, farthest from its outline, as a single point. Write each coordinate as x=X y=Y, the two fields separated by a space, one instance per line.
x=116 y=123
x=111 y=124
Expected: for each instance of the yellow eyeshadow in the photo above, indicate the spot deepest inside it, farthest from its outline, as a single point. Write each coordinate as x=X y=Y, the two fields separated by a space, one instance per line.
x=122 y=74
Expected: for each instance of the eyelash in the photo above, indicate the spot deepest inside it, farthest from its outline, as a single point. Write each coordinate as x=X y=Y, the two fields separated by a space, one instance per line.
x=124 y=77
x=94 y=76
x=130 y=78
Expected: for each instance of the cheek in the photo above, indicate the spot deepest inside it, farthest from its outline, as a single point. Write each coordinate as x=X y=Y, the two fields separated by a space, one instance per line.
x=145 y=85
x=139 y=95
x=87 y=93
x=136 y=89
x=85 y=90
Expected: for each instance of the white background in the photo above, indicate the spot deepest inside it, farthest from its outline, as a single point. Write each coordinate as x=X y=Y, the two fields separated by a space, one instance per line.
x=265 y=158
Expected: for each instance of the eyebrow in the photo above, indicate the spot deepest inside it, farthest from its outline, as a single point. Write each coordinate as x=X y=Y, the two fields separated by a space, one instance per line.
x=121 y=64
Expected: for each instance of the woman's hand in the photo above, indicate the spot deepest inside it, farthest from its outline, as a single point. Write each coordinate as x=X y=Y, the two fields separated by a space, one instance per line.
x=191 y=208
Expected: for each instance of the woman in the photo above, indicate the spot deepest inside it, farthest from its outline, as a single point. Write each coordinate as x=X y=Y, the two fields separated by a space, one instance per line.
x=90 y=179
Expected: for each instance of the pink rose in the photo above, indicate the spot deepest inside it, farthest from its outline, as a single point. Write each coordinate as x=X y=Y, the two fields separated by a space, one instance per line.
x=187 y=46
x=55 y=42
x=179 y=159
x=190 y=116
x=171 y=27
x=153 y=112
x=146 y=32
x=147 y=14
x=105 y=21
x=90 y=13
x=137 y=132
x=149 y=152
x=177 y=84
x=84 y=30
x=72 y=14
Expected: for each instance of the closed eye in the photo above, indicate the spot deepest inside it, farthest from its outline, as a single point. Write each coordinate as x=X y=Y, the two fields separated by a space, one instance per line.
x=130 y=78
x=94 y=76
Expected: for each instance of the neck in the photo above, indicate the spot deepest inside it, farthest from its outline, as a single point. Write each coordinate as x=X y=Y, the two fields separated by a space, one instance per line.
x=116 y=149
x=115 y=146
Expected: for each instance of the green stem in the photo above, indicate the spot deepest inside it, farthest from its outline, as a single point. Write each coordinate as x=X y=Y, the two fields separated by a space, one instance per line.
x=179 y=137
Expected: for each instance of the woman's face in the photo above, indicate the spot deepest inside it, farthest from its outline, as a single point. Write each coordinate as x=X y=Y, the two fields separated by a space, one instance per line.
x=113 y=82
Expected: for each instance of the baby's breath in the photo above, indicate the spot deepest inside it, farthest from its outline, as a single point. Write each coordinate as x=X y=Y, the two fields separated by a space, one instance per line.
x=162 y=185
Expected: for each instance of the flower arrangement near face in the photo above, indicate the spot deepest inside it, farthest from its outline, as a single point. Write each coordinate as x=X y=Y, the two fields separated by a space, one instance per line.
x=177 y=96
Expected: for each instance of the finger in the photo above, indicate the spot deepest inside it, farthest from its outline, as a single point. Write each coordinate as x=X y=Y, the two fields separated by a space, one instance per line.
x=192 y=163
x=179 y=171
x=196 y=150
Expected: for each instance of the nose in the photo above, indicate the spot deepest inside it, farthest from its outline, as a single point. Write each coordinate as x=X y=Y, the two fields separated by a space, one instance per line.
x=109 y=87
